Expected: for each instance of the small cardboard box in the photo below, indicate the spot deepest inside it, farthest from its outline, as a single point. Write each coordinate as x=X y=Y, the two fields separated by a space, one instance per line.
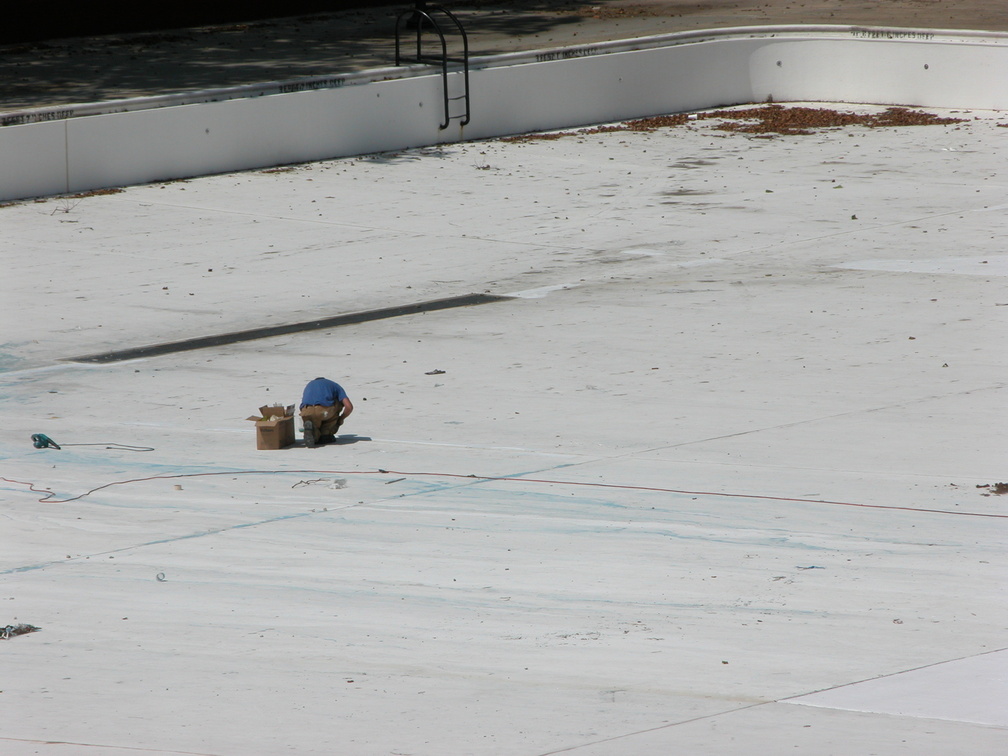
x=274 y=427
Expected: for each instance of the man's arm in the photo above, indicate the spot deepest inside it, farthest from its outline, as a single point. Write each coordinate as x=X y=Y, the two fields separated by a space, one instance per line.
x=347 y=408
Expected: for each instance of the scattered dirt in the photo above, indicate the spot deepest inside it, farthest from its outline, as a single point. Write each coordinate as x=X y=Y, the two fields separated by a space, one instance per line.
x=96 y=193
x=662 y=122
x=777 y=119
x=765 y=120
x=993 y=488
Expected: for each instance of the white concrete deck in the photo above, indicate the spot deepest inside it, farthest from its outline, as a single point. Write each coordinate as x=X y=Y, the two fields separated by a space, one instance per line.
x=733 y=420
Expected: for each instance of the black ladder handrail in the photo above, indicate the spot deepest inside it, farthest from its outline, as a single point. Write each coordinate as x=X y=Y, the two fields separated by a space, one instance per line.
x=422 y=14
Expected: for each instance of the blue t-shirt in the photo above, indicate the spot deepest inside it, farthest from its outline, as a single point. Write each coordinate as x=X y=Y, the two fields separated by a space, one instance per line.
x=324 y=392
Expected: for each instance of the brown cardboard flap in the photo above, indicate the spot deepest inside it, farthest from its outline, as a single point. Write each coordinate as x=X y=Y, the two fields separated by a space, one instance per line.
x=269 y=411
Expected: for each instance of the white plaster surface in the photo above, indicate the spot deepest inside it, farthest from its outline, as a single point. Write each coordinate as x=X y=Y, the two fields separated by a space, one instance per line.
x=724 y=466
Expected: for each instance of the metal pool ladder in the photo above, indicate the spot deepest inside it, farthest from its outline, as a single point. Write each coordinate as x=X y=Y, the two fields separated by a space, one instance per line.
x=423 y=17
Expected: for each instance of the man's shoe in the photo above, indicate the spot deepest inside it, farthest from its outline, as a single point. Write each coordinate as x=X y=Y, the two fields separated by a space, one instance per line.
x=309 y=434
x=328 y=438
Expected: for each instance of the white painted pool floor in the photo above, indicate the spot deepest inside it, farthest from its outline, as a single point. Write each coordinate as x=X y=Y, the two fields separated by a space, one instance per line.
x=705 y=482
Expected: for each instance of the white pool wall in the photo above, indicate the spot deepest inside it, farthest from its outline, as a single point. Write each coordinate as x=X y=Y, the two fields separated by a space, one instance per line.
x=78 y=148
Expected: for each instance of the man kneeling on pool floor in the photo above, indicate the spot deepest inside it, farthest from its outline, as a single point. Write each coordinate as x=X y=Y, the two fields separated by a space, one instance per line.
x=324 y=407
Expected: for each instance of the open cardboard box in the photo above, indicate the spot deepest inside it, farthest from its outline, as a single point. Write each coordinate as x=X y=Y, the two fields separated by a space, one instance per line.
x=274 y=427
